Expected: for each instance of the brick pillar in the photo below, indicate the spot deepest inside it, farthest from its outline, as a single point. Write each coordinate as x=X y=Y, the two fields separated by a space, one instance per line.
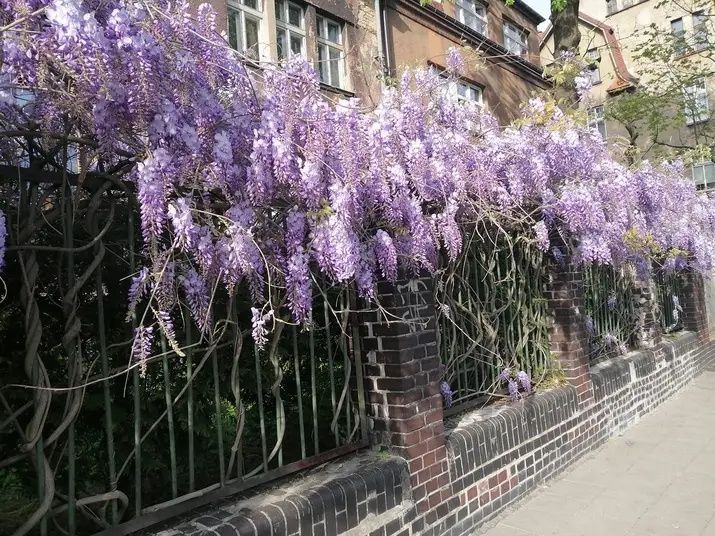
x=695 y=316
x=645 y=304
x=567 y=329
x=402 y=376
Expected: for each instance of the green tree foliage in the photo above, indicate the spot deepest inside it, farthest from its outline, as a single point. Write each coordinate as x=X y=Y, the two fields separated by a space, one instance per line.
x=663 y=117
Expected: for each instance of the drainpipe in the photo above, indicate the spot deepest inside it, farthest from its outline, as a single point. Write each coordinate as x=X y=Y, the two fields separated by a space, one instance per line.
x=383 y=52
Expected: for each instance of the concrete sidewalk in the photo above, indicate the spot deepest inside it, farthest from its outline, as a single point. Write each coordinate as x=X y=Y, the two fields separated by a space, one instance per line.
x=658 y=479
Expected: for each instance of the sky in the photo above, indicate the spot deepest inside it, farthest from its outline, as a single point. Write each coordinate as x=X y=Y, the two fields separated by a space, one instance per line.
x=541 y=6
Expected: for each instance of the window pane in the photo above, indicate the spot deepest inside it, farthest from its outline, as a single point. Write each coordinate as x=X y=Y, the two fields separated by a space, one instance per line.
x=698 y=173
x=334 y=67
x=710 y=173
x=323 y=64
x=281 y=42
x=320 y=21
x=233 y=21
x=295 y=15
x=251 y=37
x=280 y=10
x=253 y=4
x=296 y=44
x=333 y=32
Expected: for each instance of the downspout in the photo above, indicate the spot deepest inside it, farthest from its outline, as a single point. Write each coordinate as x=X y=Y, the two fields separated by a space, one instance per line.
x=383 y=51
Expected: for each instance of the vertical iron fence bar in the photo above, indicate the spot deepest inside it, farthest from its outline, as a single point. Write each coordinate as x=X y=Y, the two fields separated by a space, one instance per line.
x=169 y=418
x=346 y=365
x=259 y=392
x=299 y=391
x=136 y=388
x=357 y=356
x=313 y=387
x=331 y=367
x=71 y=482
x=108 y=421
x=190 y=401
x=219 y=423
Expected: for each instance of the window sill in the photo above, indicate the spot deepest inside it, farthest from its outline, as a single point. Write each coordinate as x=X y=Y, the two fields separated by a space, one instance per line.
x=336 y=90
x=697 y=123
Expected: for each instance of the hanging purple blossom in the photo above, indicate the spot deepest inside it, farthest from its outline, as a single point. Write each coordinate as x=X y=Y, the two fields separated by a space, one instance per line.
x=524 y=381
x=589 y=326
x=513 y=388
x=455 y=61
x=505 y=375
x=260 y=332
x=141 y=347
x=611 y=302
x=542 y=235
x=447 y=393
x=3 y=238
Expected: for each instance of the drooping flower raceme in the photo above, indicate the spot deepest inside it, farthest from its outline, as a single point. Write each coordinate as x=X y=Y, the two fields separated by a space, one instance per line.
x=3 y=239
x=269 y=187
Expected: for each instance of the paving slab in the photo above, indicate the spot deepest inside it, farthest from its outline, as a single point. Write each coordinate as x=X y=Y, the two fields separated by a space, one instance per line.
x=657 y=479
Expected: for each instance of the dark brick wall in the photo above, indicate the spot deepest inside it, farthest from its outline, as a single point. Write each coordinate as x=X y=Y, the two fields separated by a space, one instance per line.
x=567 y=328
x=448 y=477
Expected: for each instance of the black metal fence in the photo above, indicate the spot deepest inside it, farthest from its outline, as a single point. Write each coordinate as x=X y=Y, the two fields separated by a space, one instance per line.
x=86 y=446
x=492 y=315
x=609 y=310
x=670 y=308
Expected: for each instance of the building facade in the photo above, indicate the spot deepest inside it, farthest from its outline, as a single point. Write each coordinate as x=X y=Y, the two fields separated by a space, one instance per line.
x=356 y=45
x=660 y=49
x=501 y=47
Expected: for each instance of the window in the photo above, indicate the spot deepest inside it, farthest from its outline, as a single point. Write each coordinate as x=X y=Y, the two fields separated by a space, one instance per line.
x=704 y=175
x=697 y=108
x=464 y=92
x=593 y=57
x=330 y=52
x=597 y=120
x=515 y=39
x=244 y=23
x=627 y=3
x=700 y=29
x=290 y=32
x=472 y=14
x=677 y=31
x=611 y=6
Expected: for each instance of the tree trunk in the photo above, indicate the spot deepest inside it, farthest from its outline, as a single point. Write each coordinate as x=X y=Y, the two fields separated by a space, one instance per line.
x=567 y=36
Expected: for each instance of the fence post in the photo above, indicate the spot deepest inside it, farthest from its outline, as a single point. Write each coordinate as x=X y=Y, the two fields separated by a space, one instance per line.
x=402 y=377
x=645 y=303
x=693 y=303
x=567 y=330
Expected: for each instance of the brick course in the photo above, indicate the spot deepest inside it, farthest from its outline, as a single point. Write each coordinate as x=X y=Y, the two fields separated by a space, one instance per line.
x=453 y=475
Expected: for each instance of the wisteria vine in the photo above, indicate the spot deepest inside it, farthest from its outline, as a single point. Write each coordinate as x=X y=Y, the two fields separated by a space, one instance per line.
x=265 y=184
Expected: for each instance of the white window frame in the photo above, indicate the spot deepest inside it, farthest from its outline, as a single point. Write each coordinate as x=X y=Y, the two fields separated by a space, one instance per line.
x=680 y=44
x=703 y=169
x=242 y=13
x=597 y=120
x=473 y=14
x=518 y=46
x=464 y=92
x=593 y=56
x=701 y=34
x=290 y=30
x=325 y=45
x=697 y=105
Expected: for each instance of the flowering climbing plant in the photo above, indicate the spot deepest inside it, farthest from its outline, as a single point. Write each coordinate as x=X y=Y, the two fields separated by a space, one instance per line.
x=252 y=180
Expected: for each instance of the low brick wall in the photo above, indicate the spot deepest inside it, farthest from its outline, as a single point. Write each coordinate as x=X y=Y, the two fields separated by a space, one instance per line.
x=495 y=456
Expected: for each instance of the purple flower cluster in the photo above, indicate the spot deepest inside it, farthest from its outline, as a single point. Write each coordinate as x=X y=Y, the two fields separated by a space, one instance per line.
x=516 y=385
x=3 y=238
x=447 y=393
x=267 y=185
